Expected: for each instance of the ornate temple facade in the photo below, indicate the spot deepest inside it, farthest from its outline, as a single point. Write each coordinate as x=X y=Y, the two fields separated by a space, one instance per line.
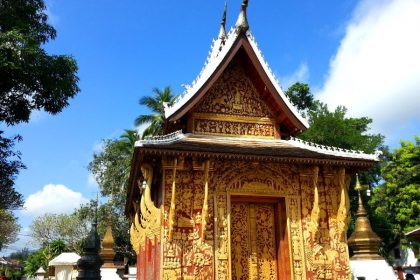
x=228 y=192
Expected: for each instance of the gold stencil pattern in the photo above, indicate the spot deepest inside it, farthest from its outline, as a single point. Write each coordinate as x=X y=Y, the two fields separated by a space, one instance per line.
x=316 y=252
x=234 y=107
x=266 y=241
x=253 y=241
x=240 y=240
x=231 y=128
x=234 y=94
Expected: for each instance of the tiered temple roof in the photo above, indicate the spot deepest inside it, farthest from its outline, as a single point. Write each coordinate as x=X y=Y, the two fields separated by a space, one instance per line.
x=222 y=51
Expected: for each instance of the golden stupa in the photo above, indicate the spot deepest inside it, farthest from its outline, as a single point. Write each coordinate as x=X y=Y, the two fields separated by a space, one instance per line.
x=107 y=253
x=363 y=241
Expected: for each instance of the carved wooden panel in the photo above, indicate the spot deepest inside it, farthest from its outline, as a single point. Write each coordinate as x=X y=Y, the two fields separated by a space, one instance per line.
x=316 y=252
x=266 y=241
x=253 y=241
x=233 y=107
x=240 y=241
x=232 y=127
x=234 y=94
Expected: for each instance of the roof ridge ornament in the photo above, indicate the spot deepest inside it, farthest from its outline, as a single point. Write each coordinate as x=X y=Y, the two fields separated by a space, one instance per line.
x=242 y=22
x=222 y=33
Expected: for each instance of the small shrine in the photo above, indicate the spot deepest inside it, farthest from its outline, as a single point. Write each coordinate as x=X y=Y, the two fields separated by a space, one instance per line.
x=107 y=254
x=229 y=192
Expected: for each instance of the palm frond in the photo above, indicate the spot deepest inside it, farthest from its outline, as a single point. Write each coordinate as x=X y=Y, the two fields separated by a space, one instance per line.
x=156 y=104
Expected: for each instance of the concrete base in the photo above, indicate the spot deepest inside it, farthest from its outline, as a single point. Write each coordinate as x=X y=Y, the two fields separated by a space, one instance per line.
x=372 y=270
x=132 y=273
x=109 y=274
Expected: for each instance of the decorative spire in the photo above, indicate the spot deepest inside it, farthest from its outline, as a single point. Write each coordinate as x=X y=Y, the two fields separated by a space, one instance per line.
x=222 y=33
x=242 y=22
x=90 y=263
x=364 y=241
x=107 y=253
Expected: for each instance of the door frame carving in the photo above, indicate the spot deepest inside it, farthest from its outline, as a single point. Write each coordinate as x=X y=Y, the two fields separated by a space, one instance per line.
x=281 y=227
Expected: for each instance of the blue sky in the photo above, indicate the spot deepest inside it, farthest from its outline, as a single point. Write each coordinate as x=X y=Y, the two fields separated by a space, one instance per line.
x=362 y=54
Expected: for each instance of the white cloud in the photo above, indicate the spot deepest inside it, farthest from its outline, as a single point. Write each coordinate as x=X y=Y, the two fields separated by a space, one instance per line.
x=300 y=75
x=91 y=182
x=140 y=129
x=38 y=116
x=55 y=199
x=376 y=70
x=53 y=18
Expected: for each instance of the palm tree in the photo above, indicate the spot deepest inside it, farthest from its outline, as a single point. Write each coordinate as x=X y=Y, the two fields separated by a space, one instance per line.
x=157 y=119
x=128 y=140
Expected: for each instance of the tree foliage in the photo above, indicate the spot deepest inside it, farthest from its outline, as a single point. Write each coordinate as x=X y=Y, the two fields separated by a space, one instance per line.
x=156 y=104
x=35 y=260
x=111 y=166
x=335 y=128
x=398 y=198
x=31 y=79
x=20 y=255
x=41 y=257
x=10 y=164
x=9 y=228
x=111 y=169
x=120 y=226
x=70 y=229
x=300 y=95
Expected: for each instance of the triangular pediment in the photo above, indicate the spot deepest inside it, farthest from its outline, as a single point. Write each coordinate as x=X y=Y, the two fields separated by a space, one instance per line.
x=237 y=85
x=234 y=94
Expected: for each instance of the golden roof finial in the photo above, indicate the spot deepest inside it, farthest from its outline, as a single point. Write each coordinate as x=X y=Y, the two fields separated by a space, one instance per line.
x=363 y=241
x=242 y=22
x=357 y=187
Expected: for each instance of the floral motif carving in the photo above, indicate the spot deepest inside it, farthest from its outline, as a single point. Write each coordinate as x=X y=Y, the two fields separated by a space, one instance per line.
x=232 y=128
x=315 y=253
x=234 y=94
x=188 y=255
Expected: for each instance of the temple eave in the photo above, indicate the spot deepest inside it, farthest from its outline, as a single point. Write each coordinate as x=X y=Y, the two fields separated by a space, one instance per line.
x=362 y=165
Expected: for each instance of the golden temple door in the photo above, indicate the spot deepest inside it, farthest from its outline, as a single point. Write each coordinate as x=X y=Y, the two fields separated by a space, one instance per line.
x=257 y=241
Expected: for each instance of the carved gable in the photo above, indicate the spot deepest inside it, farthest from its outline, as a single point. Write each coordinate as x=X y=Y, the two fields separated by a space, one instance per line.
x=234 y=107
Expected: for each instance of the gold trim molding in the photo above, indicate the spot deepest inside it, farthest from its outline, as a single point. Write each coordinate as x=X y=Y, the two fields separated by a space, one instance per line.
x=233 y=118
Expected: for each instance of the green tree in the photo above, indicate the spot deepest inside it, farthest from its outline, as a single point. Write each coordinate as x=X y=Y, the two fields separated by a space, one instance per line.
x=41 y=257
x=156 y=104
x=398 y=198
x=35 y=260
x=9 y=228
x=20 y=255
x=10 y=164
x=300 y=95
x=111 y=166
x=10 y=199
x=334 y=128
x=31 y=79
x=111 y=169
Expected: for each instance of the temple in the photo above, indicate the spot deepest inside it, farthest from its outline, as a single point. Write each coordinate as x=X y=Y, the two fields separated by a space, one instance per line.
x=229 y=192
